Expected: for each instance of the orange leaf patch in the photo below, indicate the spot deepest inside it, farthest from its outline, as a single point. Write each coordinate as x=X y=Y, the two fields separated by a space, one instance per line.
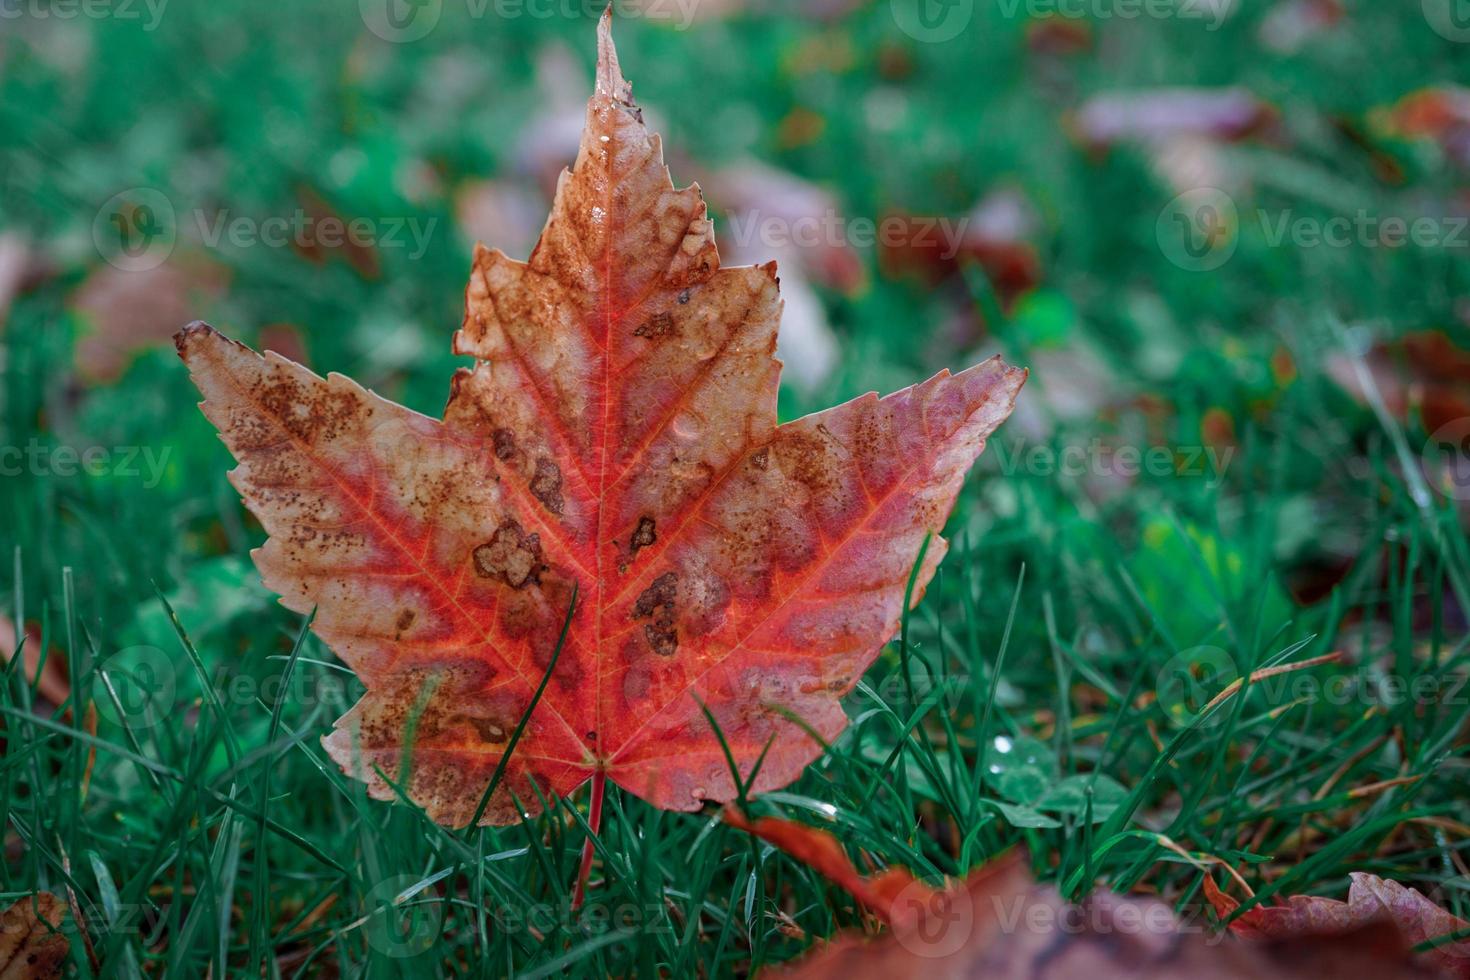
x=616 y=439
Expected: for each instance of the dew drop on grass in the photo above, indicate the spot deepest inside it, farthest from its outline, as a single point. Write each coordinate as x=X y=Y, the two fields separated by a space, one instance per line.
x=1020 y=768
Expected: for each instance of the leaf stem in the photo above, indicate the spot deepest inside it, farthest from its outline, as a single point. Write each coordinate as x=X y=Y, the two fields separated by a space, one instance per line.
x=594 y=821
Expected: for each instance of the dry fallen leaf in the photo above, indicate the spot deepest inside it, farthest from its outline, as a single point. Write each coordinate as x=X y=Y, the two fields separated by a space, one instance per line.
x=1370 y=898
x=616 y=441
x=1000 y=923
x=31 y=945
x=52 y=683
x=998 y=233
x=1424 y=372
x=128 y=311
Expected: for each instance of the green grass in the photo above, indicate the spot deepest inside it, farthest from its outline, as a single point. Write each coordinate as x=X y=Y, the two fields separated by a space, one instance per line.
x=215 y=834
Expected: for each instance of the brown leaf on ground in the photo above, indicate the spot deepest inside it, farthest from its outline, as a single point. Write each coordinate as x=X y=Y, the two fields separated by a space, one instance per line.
x=52 y=683
x=1000 y=923
x=1370 y=898
x=893 y=895
x=999 y=234
x=31 y=945
x=126 y=312
x=1425 y=371
x=327 y=233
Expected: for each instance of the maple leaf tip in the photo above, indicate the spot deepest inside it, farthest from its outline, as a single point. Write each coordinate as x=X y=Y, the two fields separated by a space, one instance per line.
x=610 y=80
x=194 y=328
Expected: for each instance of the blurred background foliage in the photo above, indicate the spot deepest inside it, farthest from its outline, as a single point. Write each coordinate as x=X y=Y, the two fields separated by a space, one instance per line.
x=1114 y=187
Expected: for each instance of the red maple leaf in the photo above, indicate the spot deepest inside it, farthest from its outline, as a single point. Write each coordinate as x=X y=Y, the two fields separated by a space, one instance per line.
x=615 y=441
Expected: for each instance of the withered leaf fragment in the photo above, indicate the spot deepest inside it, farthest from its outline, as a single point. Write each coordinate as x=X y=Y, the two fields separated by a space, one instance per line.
x=32 y=946
x=1370 y=899
x=998 y=922
x=617 y=436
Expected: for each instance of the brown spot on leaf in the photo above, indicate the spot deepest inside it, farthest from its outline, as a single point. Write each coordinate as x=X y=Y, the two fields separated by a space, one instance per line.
x=511 y=555
x=809 y=462
x=658 y=325
x=657 y=603
x=308 y=414
x=504 y=442
x=546 y=485
x=405 y=619
x=643 y=536
x=491 y=730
